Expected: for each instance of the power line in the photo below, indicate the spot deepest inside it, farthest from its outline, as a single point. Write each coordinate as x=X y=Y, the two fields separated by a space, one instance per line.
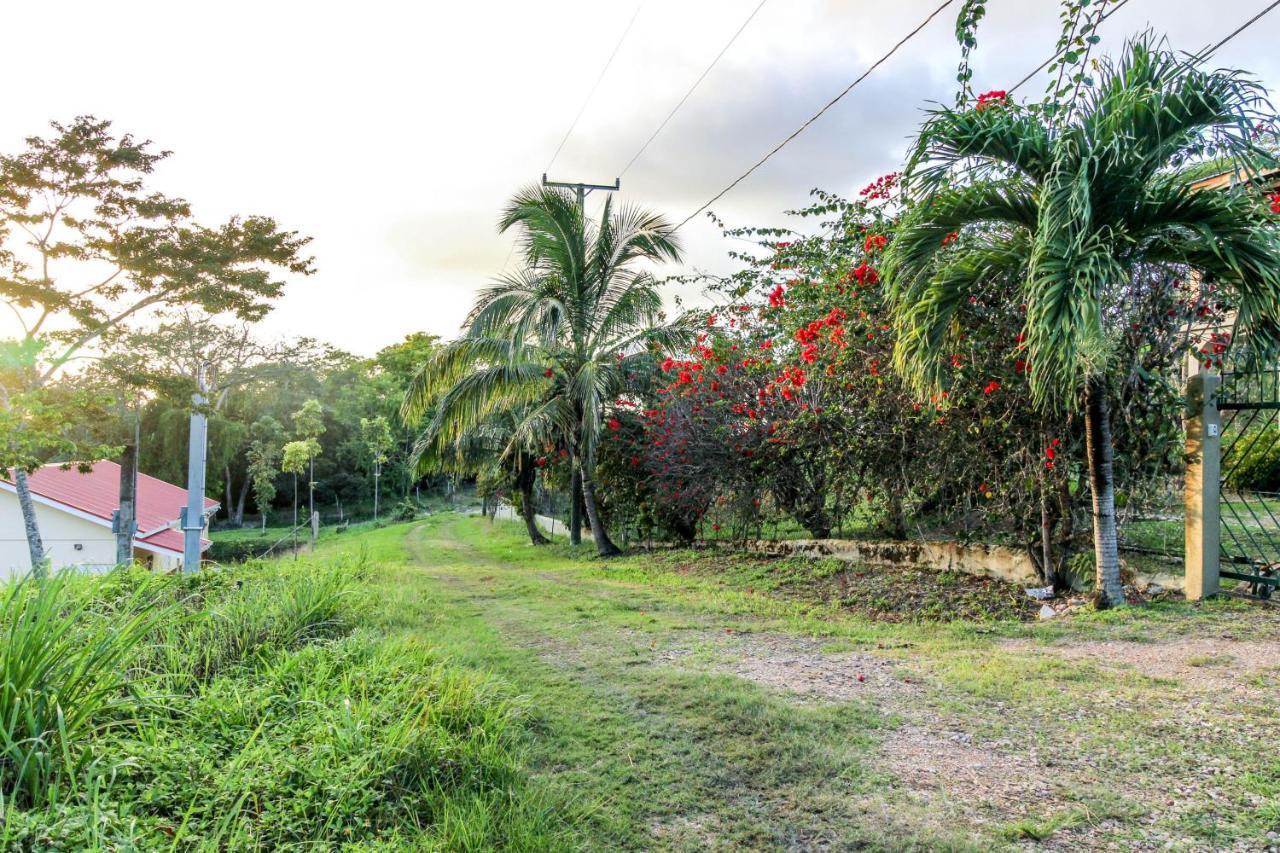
x=695 y=85
x=1242 y=28
x=820 y=112
x=595 y=86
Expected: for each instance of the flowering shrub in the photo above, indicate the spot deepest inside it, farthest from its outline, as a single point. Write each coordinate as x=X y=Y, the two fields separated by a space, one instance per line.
x=786 y=403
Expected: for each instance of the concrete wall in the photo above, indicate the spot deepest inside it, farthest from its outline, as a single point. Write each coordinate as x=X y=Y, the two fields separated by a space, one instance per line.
x=547 y=524
x=61 y=533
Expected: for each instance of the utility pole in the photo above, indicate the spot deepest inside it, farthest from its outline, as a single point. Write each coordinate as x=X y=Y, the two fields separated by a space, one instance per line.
x=125 y=521
x=193 y=513
x=575 y=475
x=582 y=189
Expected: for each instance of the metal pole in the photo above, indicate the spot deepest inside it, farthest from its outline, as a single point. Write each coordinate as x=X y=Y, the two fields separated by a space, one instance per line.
x=193 y=516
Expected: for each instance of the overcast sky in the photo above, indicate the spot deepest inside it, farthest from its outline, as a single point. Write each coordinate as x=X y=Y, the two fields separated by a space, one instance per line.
x=392 y=133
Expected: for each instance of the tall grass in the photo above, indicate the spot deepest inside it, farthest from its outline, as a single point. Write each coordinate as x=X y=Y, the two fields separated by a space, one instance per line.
x=246 y=709
x=64 y=665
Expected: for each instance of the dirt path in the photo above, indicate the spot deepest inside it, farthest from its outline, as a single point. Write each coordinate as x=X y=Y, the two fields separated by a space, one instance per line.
x=688 y=724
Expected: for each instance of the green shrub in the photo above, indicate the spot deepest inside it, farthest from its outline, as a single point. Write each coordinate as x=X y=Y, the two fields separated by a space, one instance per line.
x=281 y=724
x=1254 y=461
x=64 y=664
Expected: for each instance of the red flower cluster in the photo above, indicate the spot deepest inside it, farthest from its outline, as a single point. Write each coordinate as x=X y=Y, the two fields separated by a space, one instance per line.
x=881 y=188
x=864 y=274
x=950 y=238
x=992 y=98
x=1050 y=453
x=548 y=373
x=1274 y=198
x=991 y=388
x=777 y=299
x=874 y=242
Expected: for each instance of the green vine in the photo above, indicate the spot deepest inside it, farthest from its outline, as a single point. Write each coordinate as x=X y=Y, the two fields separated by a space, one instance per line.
x=967 y=20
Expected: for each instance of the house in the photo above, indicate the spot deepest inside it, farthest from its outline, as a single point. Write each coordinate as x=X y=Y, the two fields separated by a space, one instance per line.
x=74 y=510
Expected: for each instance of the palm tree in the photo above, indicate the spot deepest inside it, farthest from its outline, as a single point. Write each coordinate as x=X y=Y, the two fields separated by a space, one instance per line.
x=485 y=447
x=560 y=339
x=1069 y=206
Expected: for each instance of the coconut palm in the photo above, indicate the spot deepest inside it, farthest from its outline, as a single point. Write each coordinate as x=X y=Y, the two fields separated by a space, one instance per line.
x=561 y=339
x=479 y=449
x=1070 y=206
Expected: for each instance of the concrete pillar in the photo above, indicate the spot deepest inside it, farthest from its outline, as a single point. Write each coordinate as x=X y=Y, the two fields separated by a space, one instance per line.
x=1204 y=461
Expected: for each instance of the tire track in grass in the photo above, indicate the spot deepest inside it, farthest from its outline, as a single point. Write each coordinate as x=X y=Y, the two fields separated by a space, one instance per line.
x=673 y=757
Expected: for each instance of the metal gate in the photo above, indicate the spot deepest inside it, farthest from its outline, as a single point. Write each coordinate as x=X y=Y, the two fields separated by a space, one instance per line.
x=1249 y=491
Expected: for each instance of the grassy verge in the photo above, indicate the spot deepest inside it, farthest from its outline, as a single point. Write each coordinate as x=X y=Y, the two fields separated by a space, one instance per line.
x=262 y=708
x=695 y=701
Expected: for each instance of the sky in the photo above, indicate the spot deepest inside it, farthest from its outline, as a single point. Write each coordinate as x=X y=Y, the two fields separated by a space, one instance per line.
x=392 y=133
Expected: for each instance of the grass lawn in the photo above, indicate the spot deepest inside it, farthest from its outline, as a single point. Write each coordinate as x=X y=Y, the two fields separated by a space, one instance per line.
x=688 y=701
x=443 y=685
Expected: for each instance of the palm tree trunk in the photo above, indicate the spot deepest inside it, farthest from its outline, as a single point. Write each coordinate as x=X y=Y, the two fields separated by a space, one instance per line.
x=1106 y=549
x=39 y=566
x=575 y=502
x=604 y=545
x=525 y=480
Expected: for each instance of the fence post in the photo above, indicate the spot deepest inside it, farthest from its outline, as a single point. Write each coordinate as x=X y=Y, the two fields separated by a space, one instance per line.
x=1204 y=461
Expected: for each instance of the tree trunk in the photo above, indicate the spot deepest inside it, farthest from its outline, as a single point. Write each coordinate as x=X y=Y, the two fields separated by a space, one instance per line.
x=1106 y=549
x=525 y=480
x=238 y=518
x=128 y=505
x=575 y=501
x=229 y=506
x=604 y=545
x=1048 y=566
x=39 y=565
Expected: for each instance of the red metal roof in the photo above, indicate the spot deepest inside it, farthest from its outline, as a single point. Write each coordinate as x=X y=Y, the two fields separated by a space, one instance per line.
x=97 y=493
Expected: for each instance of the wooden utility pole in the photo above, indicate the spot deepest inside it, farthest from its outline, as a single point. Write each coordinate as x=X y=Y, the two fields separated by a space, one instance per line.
x=575 y=476
x=125 y=524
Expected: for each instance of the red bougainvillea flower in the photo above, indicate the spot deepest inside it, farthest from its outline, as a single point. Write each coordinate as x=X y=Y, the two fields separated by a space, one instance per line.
x=881 y=187
x=768 y=344
x=1274 y=198
x=722 y=369
x=957 y=361
x=777 y=298
x=993 y=98
x=716 y=528
x=542 y=461
x=950 y=238
x=668 y=364
x=548 y=373
x=874 y=242
x=615 y=424
x=685 y=377
x=992 y=387
x=865 y=274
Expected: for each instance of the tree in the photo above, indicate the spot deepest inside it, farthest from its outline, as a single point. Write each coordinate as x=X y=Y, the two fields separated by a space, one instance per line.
x=264 y=454
x=562 y=335
x=1075 y=205
x=308 y=426
x=40 y=422
x=294 y=459
x=491 y=452
x=375 y=434
x=86 y=249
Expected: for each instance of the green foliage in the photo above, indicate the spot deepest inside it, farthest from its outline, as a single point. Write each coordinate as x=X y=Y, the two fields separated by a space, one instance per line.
x=64 y=664
x=247 y=709
x=1254 y=460
x=296 y=454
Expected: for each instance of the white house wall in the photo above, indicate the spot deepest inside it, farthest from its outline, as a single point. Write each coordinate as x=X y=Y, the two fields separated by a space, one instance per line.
x=61 y=533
